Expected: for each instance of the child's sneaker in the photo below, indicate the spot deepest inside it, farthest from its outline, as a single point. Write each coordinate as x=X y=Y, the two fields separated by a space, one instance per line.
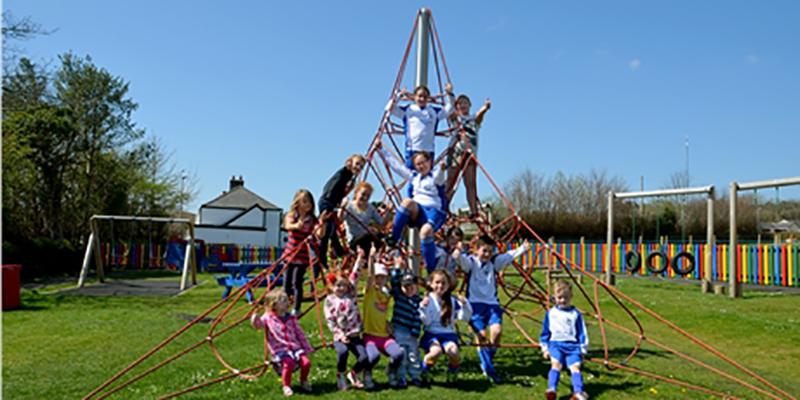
x=368 y=382
x=402 y=383
x=306 y=386
x=287 y=391
x=354 y=381
x=417 y=382
x=393 y=381
x=550 y=395
x=341 y=383
x=580 y=396
x=452 y=373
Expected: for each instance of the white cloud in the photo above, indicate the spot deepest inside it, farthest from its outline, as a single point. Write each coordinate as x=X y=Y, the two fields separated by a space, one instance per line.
x=635 y=64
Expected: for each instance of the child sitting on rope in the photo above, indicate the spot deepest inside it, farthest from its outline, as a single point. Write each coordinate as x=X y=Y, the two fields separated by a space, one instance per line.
x=564 y=341
x=287 y=342
x=420 y=119
x=463 y=143
x=377 y=338
x=344 y=321
x=424 y=208
x=300 y=224
x=444 y=256
x=360 y=218
x=439 y=311
x=333 y=193
x=481 y=270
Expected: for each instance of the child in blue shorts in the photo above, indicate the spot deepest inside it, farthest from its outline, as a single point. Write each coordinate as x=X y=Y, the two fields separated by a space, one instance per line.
x=425 y=207
x=481 y=270
x=439 y=311
x=564 y=341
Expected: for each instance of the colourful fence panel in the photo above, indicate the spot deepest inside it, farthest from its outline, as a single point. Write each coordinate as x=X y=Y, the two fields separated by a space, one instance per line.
x=765 y=264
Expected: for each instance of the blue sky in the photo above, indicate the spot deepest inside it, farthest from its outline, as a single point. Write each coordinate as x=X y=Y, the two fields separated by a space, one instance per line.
x=282 y=92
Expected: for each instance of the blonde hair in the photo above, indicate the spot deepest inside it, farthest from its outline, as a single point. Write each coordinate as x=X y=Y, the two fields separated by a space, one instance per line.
x=562 y=285
x=355 y=157
x=296 y=201
x=273 y=297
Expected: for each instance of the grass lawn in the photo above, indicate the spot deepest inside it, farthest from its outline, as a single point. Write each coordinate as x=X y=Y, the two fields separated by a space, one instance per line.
x=59 y=346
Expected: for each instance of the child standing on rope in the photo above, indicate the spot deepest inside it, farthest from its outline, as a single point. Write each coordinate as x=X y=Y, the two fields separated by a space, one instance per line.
x=406 y=321
x=564 y=341
x=332 y=195
x=377 y=337
x=360 y=218
x=424 y=208
x=464 y=143
x=287 y=342
x=299 y=222
x=439 y=312
x=344 y=321
x=487 y=316
x=420 y=119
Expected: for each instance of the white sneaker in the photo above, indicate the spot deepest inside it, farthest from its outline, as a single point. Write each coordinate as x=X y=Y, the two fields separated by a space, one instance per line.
x=354 y=381
x=368 y=382
x=287 y=391
x=341 y=383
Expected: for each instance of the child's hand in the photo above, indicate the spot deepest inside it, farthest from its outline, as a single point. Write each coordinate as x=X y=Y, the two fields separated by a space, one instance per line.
x=526 y=245
x=448 y=88
x=346 y=340
x=424 y=302
x=546 y=354
x=487 y=104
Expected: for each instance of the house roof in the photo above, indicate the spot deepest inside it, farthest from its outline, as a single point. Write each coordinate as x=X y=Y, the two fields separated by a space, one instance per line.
x=241 y=198
x=780 y=226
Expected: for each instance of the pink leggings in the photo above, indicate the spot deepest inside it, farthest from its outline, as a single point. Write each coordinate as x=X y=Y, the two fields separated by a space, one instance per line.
x=288 y=367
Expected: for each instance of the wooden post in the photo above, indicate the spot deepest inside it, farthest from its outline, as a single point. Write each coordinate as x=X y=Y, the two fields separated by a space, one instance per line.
x=710 y=243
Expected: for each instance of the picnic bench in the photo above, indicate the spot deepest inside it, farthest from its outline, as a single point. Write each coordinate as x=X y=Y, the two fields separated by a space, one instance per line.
x=238 y=275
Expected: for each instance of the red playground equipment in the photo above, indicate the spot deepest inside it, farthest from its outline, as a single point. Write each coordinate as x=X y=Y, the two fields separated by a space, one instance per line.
x=613 y=312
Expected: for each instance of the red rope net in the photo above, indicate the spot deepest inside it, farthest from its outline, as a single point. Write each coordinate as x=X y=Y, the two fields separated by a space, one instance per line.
x=518 y=284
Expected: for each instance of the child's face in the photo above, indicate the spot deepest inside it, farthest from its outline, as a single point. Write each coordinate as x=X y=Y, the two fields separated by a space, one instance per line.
x=400 y=262
x=380 y=281
x=563 y=297
x=341 y=288
x=410 y=289
x=362 y=196
x=485 y=252
x=282 y=305
x=463 y=107
x=356 y=165
x=422 y=164
x=439 y=284
x=305 y=205
x=421 y=98
x=453 y=240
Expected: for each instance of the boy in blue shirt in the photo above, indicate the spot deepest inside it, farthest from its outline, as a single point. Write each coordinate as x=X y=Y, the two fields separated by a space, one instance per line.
x=564 y=341
x=487 y=316
x=406 y=323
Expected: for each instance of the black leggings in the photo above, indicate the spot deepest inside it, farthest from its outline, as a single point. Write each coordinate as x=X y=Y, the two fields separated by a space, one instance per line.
x=293 y=283
x=365 y=242
x=331 y=237
x=355 y=346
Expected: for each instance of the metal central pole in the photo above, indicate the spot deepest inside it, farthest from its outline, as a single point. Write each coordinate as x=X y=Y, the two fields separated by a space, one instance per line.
x=423 y=49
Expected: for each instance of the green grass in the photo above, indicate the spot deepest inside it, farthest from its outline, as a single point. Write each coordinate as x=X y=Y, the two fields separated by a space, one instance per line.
x=60 y=346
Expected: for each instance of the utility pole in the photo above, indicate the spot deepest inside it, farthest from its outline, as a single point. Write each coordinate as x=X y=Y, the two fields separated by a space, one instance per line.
x=423 y=49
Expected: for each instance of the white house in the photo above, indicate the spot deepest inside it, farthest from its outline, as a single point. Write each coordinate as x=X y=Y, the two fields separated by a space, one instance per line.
x=240 y=216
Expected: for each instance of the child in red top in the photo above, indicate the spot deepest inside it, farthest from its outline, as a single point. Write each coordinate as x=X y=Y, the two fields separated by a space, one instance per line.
x=287 y=341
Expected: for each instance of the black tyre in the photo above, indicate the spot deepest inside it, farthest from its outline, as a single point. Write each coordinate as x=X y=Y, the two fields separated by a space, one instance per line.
x=688 y=266
x=633 y=261
x=651 y=262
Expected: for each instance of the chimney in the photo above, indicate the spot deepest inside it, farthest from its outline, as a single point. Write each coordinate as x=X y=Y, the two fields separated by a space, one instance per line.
x=236 y=182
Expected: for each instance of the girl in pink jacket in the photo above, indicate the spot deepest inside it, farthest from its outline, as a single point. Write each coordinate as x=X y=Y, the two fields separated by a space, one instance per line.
x=287 y=341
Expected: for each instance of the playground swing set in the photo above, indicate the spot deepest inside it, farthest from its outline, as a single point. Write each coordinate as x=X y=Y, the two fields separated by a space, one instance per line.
x=114 y=254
